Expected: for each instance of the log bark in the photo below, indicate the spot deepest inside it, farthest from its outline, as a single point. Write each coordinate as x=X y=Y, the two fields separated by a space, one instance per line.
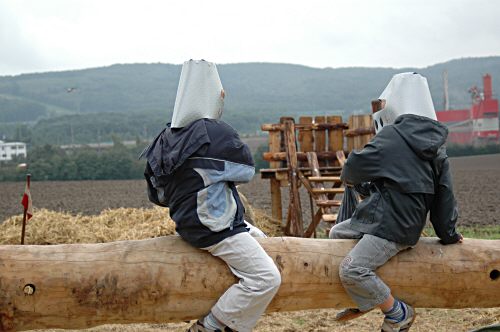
x=165 y=279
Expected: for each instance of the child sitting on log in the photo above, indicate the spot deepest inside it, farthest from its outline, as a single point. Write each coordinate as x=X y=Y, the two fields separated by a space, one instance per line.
x=192 y=168
x=407 y=171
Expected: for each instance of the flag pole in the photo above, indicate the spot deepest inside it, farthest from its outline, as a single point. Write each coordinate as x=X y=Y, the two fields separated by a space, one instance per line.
x=28 y=176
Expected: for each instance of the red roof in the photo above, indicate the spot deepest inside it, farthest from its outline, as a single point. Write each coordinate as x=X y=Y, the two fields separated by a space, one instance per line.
x=453 y=115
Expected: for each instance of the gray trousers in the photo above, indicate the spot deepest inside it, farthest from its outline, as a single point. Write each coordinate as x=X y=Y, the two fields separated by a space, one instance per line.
x=241 y=306
x=357 y=270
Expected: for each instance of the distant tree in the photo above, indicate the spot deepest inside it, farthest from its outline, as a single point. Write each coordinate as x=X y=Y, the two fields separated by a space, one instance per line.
x=258 y=158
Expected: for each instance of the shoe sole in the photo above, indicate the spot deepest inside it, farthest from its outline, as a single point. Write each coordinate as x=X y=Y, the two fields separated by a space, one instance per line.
x=349 y=315
x=406 y=329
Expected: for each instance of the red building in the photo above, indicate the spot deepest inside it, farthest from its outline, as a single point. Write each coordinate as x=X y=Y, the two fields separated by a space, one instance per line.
x=477 y=125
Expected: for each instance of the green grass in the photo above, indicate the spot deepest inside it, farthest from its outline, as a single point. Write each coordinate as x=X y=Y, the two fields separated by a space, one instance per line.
x=477 y=232
x=491 y=232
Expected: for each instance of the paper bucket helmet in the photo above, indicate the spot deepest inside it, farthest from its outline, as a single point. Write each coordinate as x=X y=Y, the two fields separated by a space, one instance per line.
x=199 y=94
x=406 y=93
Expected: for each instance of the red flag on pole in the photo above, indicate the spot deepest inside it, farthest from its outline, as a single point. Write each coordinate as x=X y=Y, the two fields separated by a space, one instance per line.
x=28 y=209
x=26 y=202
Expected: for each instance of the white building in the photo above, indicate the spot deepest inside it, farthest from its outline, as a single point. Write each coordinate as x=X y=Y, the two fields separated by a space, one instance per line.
x=11 y=149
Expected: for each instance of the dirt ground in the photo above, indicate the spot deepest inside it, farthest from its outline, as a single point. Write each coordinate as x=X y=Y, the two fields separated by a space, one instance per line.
x=476 y=184
x=476 y=181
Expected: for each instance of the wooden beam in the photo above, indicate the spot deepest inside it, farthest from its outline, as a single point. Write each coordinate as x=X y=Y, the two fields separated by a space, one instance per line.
x=359 y=132
x=320 y=139
x=324 y=178
x=328 y=190
x=335 y=135
x=329 y=203
x=164 y=279
x=294 y=207
x=331 y=218
x=311 y=126
x=302 y=156
x=326 y=169
x=276 y=205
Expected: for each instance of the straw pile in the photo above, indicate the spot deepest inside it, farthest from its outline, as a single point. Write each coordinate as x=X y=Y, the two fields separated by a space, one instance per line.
x=49 y=227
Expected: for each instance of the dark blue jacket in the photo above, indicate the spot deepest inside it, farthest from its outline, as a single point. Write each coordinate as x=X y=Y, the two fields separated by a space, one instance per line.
x=193 y=171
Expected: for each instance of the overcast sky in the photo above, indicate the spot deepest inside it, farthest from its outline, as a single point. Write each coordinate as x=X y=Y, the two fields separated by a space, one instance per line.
x=48 y=35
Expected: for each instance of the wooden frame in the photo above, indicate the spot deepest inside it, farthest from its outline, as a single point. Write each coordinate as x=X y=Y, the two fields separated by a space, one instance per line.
x=290 y=145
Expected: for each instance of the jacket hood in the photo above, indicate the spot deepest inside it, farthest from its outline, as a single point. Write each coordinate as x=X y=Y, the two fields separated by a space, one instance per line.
x=425 y=136
x=172 y=147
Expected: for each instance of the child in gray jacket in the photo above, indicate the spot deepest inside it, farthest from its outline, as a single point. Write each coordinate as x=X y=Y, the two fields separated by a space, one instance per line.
x=408 y=173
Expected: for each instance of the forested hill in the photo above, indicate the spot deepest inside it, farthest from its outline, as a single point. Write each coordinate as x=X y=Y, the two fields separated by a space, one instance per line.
x=137 y=99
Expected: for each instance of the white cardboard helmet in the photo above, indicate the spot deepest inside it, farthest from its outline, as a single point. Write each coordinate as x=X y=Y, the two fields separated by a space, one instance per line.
x=406 y=93
x=199 y=94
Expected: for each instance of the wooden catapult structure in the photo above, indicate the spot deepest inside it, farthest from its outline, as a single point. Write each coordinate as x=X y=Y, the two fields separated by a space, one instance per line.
x=310 y=153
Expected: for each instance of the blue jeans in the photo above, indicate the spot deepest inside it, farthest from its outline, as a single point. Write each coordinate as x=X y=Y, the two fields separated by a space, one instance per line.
x=357 y=270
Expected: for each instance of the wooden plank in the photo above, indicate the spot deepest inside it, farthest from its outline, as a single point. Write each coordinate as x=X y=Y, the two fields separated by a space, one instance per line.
x=335 y=136
x=331 y=218
x=274 y=147
x=350 y=140
x=305 y=137
x=328 y=203
x=324 y=178
x=377 y=105
x=328 y=190
x=366 y=122
x=356 y=125
x=325 y=169
x=276 y=207
x=341 y=158
x=311 y=229
x=280 y=126
x=322 y=156
x=360 y=131
x=314 y=165
x=294 y=209
x=320 y=139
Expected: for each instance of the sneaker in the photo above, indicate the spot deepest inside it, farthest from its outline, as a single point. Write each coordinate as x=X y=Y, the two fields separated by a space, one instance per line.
x=348 y=314
x=403 y=326
x=199 y=327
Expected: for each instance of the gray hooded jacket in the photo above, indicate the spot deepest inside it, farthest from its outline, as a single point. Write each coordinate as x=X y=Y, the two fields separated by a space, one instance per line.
x=408 y=170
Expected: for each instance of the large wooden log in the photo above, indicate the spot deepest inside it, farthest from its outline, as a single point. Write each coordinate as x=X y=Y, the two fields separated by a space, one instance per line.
x=165 y=279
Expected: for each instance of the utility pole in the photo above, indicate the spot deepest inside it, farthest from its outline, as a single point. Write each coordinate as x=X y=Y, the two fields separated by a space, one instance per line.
x=445 y=83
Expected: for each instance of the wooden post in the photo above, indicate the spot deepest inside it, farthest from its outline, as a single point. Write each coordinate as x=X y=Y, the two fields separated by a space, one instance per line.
x=26 y=202
x=335 y=136
x=294 y=209
x=162 y=280
x=320 y=138
x=365 y=122
x=276 y=207
x=305 y=137
x=360 y=131
x=313 y=163
x=274 y=147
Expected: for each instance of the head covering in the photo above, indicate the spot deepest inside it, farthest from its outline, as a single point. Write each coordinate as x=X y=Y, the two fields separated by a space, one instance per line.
x=199 y=94
x=406 y=93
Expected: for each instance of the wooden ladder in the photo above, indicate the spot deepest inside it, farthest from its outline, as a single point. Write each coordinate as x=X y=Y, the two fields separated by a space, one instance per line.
x=322 y=195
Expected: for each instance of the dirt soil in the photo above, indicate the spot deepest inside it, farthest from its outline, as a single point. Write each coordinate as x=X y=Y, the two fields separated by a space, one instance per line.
x=476 y=184
x=476 y=181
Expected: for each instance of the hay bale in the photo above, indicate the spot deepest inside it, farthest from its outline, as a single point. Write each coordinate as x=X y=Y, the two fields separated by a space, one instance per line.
x=50 y=227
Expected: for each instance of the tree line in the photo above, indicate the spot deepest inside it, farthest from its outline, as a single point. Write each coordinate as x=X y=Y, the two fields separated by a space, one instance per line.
x=49 y=162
